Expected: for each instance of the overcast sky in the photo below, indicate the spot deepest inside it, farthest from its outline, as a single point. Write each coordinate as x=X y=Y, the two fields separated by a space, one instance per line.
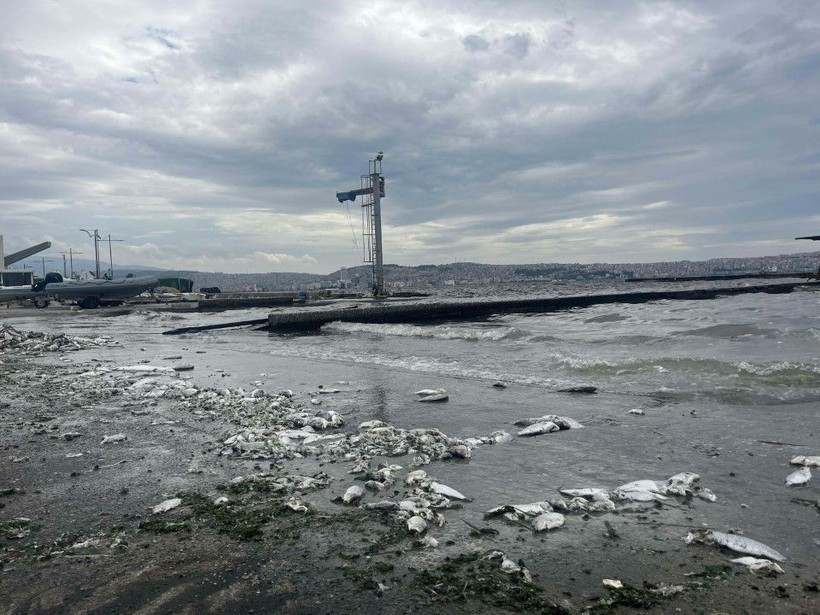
x=213 y=135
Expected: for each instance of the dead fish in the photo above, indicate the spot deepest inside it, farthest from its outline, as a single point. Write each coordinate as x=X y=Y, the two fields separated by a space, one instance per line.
x=519 y=510
x=636 y=495
x=563 y=422
x=296 y=505
x=547 y=521
x=383 y=505
x=642 y=485
x=416 y=477
x=353 y=494
x=435 y=397
x=757 y=565
x=372 y=424
x=683 y=478
x=500 y=437
x=536 y=429
x=799 y=477
x=417 y=525
x=117 y=437
x=585 y=492
x=805 y=460
x=461 y=451
x=510 y=567
x=427 y=392
x=166 y=505
x=740 y=544
x=448 y=492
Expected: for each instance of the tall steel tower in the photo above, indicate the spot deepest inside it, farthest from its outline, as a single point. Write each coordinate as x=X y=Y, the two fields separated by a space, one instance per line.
x=372 y=192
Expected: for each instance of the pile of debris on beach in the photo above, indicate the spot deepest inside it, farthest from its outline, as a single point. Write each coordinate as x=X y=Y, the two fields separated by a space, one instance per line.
x=278 y=428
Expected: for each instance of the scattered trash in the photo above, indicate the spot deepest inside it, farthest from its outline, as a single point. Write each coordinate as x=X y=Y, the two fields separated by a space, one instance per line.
x=166 y=505
x=117 y=437
x=637 y=411
x=612 y=583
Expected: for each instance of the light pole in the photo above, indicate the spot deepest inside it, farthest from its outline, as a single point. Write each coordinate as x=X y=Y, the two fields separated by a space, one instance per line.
x=110 y=255
x=45 y=260
x=71 y=254
x=96 y=237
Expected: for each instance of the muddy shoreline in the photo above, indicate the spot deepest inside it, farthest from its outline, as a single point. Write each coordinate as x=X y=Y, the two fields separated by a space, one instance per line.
x=79 y=535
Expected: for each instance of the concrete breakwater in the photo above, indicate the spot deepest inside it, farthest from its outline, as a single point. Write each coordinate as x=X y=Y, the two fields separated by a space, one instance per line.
x=468 y=309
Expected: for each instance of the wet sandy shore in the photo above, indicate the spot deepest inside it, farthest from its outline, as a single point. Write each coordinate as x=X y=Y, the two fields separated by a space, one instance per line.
x=79 y=535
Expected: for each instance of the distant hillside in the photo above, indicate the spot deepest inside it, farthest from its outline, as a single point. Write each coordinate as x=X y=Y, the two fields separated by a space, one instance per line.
x=424 y=277
x=245 y=281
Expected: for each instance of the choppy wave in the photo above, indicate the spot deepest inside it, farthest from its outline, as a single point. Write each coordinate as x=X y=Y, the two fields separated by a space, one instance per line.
x=728 y=331
x=442 y=332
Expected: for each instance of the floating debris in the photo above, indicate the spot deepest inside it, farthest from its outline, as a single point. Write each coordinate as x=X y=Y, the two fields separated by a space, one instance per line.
x=637 y=411
x=499 y=385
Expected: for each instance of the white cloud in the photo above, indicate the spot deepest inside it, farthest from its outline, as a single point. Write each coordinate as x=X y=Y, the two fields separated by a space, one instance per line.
x=221 y=133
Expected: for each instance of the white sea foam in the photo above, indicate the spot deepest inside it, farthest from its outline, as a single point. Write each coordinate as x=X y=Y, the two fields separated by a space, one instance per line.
x=444 y=332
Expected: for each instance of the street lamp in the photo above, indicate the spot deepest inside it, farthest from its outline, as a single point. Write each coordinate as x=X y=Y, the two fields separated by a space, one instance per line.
x=96 y=237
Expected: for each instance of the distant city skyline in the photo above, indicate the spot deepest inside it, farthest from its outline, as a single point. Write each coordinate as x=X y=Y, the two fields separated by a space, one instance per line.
x=213 y=137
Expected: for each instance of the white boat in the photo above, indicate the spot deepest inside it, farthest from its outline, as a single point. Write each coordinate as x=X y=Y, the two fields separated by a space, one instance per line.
x=89 y=294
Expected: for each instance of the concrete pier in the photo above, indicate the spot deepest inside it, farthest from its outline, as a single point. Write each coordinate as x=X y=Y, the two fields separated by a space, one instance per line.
x=469 y=309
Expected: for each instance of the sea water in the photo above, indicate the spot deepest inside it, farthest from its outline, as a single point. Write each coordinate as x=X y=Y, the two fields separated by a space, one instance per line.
x=729 y=389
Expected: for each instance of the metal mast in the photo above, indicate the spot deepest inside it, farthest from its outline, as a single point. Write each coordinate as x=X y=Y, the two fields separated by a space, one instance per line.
x=372 y=191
